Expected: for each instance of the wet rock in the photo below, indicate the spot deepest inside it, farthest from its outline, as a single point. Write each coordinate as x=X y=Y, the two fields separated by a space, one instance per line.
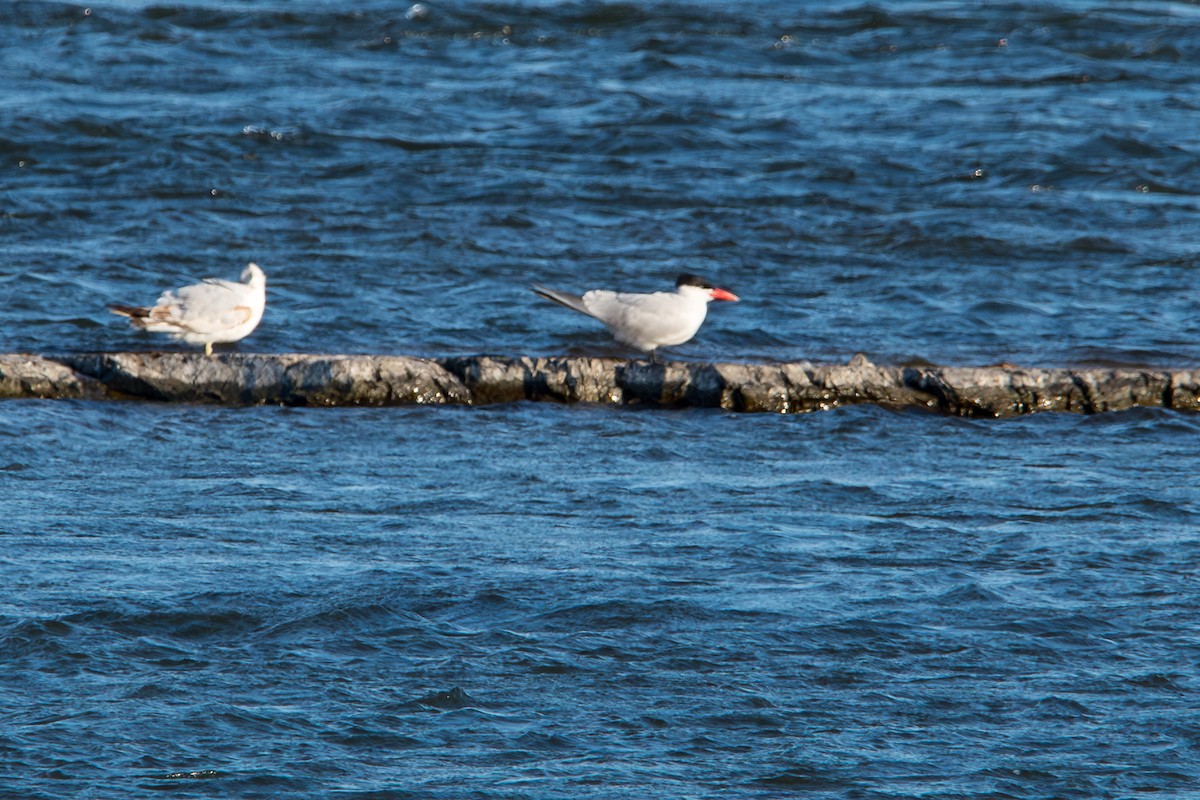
x=287 y=379
x=30 y=376
x=1183 y=390
x=333 y=380
x=491 y=379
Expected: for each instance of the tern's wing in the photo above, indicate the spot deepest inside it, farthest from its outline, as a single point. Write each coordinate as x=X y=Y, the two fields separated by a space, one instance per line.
x=646 y=320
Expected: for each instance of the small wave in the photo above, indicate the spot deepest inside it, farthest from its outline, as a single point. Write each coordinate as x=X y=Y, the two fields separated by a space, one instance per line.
x=970 y=593
x=190 y=775
x=806 y=778
x=199 y=623
x=1055 y=707
x=620 y=614
x=269 y=134
x=450 y=699
x=346 y=617
x=1006 y=308
x=1098 y=244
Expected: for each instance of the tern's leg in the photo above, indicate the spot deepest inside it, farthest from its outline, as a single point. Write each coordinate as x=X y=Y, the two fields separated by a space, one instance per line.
x=208 y=348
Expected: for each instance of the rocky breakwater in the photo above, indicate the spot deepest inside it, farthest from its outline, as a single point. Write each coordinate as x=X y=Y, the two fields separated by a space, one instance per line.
x=337 y=380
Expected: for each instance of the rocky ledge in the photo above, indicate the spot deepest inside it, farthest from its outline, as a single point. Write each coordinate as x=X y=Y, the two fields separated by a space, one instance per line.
x=343 y=380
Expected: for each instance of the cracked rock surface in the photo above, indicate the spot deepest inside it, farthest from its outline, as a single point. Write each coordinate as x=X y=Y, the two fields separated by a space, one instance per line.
x=338 y=380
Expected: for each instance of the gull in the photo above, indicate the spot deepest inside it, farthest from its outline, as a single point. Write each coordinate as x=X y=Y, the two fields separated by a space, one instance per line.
x=214 y=311
x=647 y=321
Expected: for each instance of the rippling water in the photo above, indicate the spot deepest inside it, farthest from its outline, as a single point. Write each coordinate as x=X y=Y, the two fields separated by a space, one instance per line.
x=538 y=601
x=535 y=600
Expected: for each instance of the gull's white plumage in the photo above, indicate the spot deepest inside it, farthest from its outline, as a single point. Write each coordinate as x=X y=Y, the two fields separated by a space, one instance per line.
x=212 y=312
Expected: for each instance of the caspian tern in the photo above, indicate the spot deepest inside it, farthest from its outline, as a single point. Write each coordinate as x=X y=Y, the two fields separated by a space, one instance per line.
x=647 y=321
x=207 y=313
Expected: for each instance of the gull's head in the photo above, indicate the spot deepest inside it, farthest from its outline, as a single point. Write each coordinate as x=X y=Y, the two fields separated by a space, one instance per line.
x=695 y=286
x=254 y=276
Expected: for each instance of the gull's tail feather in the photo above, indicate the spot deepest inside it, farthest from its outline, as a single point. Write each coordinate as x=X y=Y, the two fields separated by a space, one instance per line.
x=562 y=298
x=134 y=312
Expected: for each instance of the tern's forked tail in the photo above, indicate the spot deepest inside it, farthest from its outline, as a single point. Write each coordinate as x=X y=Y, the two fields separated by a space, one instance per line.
x=562 y=298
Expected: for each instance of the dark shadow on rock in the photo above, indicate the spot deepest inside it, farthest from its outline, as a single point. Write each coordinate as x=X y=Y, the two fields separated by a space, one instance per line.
x=926 y=381
x=642 y=381
x=673 y=384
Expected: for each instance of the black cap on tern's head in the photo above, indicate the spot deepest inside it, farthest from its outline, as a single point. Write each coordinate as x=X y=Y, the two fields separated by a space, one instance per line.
x=714 y=293
x=692 y=280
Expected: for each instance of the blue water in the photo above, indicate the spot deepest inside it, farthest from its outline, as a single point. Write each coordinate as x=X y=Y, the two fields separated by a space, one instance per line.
x=540 y=601
x=537 y=601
